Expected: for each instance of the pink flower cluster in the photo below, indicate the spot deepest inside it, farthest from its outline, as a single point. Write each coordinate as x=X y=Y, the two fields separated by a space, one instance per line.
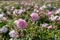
x=50 y=13
x=18 y=12
x=20 y=24
x=34 y=16
x=54 y=18
x=45 y=25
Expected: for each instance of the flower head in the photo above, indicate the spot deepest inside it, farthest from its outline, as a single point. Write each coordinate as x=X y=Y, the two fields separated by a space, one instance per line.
x=45 y=25
x=57 y=11
x=34 y=16
x=49 y=27
x=53 y=18
x=20 y=23
x=13 y=34
x=49 y=13
x=20 y=11
x=4 y=29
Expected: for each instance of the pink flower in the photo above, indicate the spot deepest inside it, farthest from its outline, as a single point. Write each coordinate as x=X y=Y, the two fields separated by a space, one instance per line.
x=34 y=16
x=20 y=24
x=35 y=10
x=20 y=11
x=57 y=11
x=49 y=13
x=45 y=25
x=53 y=18
x=49 y=27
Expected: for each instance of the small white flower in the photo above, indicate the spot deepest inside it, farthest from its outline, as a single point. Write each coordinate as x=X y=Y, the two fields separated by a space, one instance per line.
x=13 y=34
x=37 y=10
